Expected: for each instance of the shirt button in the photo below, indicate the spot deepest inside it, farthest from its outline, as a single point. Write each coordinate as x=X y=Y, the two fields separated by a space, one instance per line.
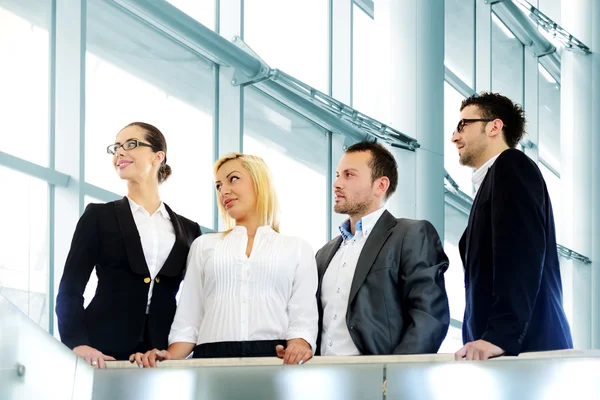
x=343 y=265
x=330 y=344
x=338 y=290
x=335 y=317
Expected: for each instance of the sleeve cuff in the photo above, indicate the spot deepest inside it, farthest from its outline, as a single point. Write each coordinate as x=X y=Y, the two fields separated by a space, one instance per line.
x=188 y=335
x=511 y=347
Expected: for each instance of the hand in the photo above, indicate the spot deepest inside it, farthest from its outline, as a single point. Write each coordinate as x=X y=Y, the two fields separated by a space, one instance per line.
x=297 y=352
x=149 y=358
x=92 y=356
x=478 y=350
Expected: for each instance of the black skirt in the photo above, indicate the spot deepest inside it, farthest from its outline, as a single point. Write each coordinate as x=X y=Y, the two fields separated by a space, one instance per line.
x=252 y=348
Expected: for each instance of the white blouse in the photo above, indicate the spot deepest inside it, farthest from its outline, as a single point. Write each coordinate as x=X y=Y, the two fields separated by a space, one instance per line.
x=227 y=296
x=157 y=237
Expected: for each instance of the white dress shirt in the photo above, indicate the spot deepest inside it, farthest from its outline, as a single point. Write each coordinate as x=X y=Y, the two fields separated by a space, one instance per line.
x=479 y=175
x=157 y=236
x=335 y=290
x=227 y=296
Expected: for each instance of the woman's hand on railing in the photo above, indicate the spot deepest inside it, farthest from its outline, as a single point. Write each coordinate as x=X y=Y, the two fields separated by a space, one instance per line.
x=149 y=358
x=298 y=351
x=92 y=356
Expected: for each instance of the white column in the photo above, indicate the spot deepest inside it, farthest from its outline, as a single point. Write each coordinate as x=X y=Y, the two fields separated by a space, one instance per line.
x=229 y=120
x=595 y=134
x=340 y=79
x=576 y=163
x=341 y=50
x=483 y=46
x=69 y=128
x=417 y=87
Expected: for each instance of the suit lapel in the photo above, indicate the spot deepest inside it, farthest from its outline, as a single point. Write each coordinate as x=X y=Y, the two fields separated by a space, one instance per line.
x=328 y=254
x=178 y=255
x=483 y=188
x=375 y=241
x=131 y=237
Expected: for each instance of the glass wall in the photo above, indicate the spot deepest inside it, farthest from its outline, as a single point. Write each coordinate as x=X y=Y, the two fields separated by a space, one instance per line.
x=24 y=133
x=371 y=61
x=166 y=85
x=459 y=39
x=461 y=174
x=24 y=72
x=455 y=223
x=24 y=244
x=202 y=11
x=296 y=152
x=291 y=36
x=507 y=62
x=549 y=119
x=554 y=190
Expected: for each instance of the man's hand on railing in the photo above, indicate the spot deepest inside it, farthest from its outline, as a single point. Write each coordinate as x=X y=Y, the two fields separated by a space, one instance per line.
x=298 y=351
x=149 y=358
x=92 y=356
x=478 y=350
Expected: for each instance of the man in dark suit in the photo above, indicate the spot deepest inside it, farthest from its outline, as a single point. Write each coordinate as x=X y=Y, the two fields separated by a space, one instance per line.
x=512 y=276
x=381 y=282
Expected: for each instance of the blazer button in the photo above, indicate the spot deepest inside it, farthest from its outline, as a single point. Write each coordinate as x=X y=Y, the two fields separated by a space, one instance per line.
x=157 y=279
x=147 y=280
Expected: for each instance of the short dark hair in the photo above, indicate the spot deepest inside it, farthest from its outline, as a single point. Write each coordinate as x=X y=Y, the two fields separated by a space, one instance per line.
x=155 y=137
x=494 y=105
x=382 y=163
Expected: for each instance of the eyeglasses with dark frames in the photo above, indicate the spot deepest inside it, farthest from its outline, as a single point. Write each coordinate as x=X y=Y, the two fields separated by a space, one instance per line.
x=463 y=122
x=128 y=145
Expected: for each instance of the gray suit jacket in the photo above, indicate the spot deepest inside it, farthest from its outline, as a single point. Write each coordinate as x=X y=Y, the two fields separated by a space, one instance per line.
x=398 y=302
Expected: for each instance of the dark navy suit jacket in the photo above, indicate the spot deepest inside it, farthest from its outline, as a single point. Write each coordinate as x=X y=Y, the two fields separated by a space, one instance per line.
x=106 y=237
x=512 y=275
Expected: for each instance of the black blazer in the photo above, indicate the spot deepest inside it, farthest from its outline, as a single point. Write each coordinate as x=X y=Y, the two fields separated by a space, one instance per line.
x=512 y=274
x=398 y=302
x=107 y=238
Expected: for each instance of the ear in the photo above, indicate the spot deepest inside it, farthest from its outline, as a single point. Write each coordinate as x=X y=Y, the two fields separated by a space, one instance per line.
x=159 y=156
x=381 y=186
x=496 y=128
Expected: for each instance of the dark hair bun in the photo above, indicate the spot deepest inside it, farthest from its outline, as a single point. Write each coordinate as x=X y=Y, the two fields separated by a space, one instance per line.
x=164 y=172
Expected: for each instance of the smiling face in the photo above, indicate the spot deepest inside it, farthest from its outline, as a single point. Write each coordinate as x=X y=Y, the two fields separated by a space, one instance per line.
x=472 y=142
x=137 y=164
x=235 y=190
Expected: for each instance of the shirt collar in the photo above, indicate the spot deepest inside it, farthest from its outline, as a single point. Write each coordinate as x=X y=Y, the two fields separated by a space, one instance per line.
x=480 y=174
x=136 y=207
x=364 y=225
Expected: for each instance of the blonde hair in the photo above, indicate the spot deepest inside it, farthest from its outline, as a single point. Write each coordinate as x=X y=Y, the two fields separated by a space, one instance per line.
x=267 y=204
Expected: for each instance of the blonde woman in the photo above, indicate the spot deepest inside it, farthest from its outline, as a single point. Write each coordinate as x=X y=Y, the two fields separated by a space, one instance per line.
x=248 y=291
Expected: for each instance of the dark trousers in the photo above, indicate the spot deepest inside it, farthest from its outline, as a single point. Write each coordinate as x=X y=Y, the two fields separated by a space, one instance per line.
x=254 y=348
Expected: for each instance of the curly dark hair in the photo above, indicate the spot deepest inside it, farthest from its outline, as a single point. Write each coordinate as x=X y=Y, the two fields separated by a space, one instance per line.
x=494 y=105
x=382 y=163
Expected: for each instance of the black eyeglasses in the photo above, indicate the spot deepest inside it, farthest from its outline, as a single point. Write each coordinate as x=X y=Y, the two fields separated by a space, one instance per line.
x=128 y=145
x=463 y=122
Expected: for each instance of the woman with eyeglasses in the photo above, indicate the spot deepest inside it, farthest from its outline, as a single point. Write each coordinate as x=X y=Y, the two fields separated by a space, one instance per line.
x=249 y=291
x=139 y=248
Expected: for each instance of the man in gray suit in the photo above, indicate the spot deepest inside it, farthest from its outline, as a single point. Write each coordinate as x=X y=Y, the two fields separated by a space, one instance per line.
x=381 y=282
